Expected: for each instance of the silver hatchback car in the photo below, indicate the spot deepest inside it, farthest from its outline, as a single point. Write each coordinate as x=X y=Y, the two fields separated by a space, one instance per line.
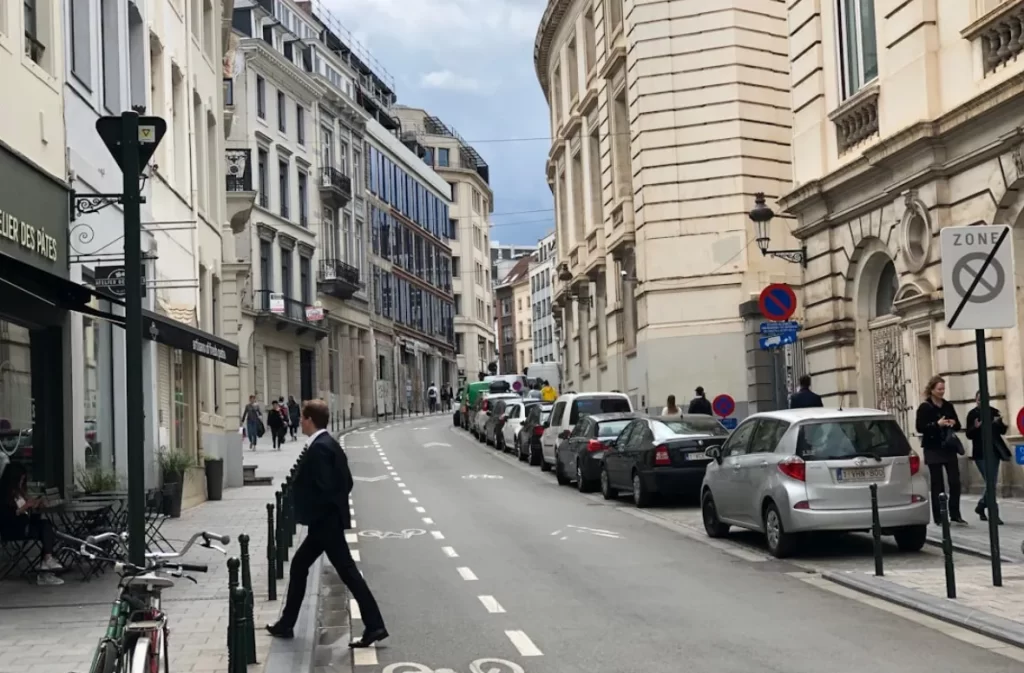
x=800 y=470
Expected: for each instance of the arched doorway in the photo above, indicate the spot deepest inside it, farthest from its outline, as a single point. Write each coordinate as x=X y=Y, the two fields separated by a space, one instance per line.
x=881 y=377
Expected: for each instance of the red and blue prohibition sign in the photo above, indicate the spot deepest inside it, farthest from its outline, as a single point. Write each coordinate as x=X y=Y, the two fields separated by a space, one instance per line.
x=723 y=405
x=777 y=302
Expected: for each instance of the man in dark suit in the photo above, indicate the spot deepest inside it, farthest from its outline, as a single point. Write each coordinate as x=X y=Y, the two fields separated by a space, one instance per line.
x=322 y=486
x=805 y=398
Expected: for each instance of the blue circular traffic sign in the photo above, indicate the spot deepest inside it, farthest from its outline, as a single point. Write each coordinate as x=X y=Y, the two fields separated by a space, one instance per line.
x=777 y=302
x=723 y=405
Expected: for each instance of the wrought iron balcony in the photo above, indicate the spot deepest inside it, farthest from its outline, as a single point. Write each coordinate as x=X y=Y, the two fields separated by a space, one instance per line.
x=286 y=312
x=338 y=279
x=240 y=192
x=335 y=187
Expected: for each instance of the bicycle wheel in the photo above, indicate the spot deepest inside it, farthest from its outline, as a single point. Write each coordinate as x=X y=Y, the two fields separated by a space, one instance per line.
x=138 y=658
x=105 y=659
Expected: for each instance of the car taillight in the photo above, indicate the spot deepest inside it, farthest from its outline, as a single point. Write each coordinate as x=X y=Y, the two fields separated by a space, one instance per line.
x=915 y=464
x=794 y=468
x=661 y=456
x=594 y=445
x=538 y=430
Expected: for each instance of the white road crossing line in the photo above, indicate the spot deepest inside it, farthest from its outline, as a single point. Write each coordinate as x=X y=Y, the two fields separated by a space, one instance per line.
x=353 y=523
x=450 y=552
x=437 y=534
x=364 y=656
x=406 y=492
x=353 y=609
x=428 y=520
x=396 y=478
x=523 y=643
x=413 y=500
x=491 y=604
x=355 y=555
x=351 y=538
x=421 y=510
x=401 y=485
x=467 y=574
x=351 y=511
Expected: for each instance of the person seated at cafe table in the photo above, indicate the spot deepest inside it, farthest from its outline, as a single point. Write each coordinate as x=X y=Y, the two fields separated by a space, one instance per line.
x=19 y=522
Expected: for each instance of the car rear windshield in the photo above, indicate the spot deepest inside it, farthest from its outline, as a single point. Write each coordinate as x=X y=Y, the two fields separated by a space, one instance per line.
x=612 y=428
x=697 y=426
x=544 y=416
x=588 y=406
x=836 y=440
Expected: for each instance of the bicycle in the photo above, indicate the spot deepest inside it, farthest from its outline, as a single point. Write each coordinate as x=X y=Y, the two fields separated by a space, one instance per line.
x=136 y=637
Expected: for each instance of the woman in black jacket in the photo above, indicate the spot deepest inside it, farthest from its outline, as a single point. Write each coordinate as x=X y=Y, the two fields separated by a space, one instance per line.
x=999 y=448
x=937 y=422
x=278 y=423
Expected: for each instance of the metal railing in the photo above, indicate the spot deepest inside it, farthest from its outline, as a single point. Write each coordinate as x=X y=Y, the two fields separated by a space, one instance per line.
x=239 y=170
x=335 y=269
x=334 y=179
x=292 y=309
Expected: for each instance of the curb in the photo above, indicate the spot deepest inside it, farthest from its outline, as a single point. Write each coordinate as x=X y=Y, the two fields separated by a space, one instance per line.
x=971 y=550
x=1003 y=630
x=297 y=654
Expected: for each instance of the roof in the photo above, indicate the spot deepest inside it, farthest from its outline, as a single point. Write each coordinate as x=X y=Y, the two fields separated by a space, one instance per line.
x=519 y=272
x=821 y=413
x=617 y=416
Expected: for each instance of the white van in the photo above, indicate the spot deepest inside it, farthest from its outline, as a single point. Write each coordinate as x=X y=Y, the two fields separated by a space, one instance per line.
x=546 y=371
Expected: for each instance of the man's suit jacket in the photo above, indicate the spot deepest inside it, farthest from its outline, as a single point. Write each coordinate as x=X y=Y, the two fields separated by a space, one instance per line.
x=322 y=484
x=805 y=399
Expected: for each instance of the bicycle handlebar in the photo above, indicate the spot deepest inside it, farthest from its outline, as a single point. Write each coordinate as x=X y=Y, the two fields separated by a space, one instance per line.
x=207 y=537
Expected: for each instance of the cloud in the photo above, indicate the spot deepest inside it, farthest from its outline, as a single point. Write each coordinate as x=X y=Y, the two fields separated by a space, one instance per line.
x=448 y=80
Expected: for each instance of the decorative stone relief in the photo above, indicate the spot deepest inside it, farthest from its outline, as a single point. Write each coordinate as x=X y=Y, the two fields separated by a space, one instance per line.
x=915 y=232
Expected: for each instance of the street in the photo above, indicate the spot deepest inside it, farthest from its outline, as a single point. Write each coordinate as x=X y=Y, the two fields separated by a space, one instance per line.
x=473 y=556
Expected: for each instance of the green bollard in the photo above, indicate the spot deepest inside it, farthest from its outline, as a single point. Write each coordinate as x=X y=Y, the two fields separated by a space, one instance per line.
x=250 y=625
x=271 y=556
x=237 y=663
x=282 y=552
x=233 y=642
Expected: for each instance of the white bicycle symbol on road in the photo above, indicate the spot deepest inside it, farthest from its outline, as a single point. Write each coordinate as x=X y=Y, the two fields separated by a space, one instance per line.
x=478 y=666
x=483 y=476
x=388 y=535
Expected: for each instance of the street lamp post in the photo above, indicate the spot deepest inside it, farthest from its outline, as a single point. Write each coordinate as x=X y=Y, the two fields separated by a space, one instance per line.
x=762 y=216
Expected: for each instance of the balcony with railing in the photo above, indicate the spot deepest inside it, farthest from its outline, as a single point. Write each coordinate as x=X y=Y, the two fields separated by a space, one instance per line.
x=287 y=313
x=241 y=195
x=335 y=187
x=338 y=279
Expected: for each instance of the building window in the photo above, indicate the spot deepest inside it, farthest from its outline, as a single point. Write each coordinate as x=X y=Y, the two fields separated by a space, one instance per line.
x=282 y=178
x=305 y=287
x=858 y=51
x=266 y=280
x=262 y=179
x=572 y=67
x=80 y=29
x=443 y=157
x=428 y=156
x=455 y=192
x=589 y=41
x=477 y=201
x=286 y=273
x=182 y=416
x=300 y=124
x=455 y=267
x=34 y=47
x=303 y=184
x=261 y=97
x=282 y=113
x=613 y=19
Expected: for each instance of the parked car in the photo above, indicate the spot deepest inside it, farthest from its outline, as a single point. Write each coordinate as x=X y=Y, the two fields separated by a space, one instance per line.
x=568 y=410
x=528 y=441
x=580 y=457
x=469 y=398
x=660 y=456
x=514 y=416
x=799 y=470
x=482 y=414
x=493 y=427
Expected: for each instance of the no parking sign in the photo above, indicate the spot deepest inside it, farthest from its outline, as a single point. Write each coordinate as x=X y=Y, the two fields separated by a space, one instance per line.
x=723 y=405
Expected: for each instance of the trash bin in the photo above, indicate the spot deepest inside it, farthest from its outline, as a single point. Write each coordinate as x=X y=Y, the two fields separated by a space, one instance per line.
x=214 y=478
x=172 y=493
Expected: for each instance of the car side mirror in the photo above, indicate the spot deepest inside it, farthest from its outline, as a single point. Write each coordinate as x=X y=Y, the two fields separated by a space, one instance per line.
x=564 y=434
x=714 y=452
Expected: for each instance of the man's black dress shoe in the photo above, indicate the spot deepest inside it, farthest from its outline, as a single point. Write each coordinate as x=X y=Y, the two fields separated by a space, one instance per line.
x=279 y=631
x=369 y=638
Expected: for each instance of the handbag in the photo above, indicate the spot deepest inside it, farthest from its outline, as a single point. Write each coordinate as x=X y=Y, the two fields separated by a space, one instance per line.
x=952 y=443
x=260 y=428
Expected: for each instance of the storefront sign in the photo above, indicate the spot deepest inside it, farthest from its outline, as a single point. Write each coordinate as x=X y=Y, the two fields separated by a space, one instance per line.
x=111 y=280
x=33 y=215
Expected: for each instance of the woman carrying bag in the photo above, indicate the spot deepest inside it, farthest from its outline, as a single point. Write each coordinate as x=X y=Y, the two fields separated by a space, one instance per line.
x=999 y=448
x=937 y=423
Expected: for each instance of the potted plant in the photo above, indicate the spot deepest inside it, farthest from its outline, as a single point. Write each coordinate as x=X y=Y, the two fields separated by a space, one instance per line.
x=91 y=480
x=173 y=465
x=214 y=478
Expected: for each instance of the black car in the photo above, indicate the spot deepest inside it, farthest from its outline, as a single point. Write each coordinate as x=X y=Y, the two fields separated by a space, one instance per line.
x=660 y=456
x=528 y=442
x=579 y=458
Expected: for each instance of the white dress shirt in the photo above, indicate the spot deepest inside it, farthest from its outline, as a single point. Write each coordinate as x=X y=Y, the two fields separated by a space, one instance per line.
x=316 y=434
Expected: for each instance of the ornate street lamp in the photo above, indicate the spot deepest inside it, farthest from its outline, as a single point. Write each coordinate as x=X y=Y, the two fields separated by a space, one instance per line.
x=564 y=274
x=762 y=216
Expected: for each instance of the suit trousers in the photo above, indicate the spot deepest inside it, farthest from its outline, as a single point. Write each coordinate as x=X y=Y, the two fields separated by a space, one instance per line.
x=328 y=537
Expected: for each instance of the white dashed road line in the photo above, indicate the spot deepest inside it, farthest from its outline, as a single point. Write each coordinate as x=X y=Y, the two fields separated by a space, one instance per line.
x=406 y=491
x=353 y=609
x=366 y=656
x=421 y=510
x=353 y=523
x=428 y=520
x=437 y=534
x=467 y=574
x=351 y=538
x=355 y=555
x=492 y=606
x=523 y=643
x=413 y=500
x=450 y=552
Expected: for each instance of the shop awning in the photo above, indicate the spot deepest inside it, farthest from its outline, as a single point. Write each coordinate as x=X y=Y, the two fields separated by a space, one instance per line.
x=170 y=332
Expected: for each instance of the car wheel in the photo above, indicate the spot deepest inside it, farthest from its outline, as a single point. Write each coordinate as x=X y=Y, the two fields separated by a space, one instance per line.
x=559 y=475
x=709 y=512
x=641 y=496
x=607 y=491
x=582 y=485
x=780 y=543
x=911 y=538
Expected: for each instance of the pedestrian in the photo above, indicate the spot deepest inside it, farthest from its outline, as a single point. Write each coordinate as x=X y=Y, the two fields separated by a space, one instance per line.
x=432 y=397
x=670 y=407
x=445 y=396
x=700 y=404
x=323 y=483
x=294 y=411
x=277 y=423
x=547 y=393
x=805 y=398
x=252 y=421
x=999 y=449
x=18 y=522
x=937 y=423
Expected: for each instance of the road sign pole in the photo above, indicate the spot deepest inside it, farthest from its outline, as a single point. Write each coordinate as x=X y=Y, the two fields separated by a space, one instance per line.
x=991 y=462
x=135 y=412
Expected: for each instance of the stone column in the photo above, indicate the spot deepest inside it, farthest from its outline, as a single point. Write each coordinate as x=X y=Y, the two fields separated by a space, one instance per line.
x=600 y=307
x=761 y=366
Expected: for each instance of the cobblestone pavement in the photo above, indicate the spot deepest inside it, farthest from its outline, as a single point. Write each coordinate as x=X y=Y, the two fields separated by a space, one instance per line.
x=54 y=629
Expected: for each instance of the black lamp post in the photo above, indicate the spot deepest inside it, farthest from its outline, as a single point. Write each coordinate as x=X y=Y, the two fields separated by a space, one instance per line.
x=762 y=216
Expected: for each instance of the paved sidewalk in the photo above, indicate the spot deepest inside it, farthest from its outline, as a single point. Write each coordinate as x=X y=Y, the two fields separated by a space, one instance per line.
x=973 y=538
x=54 y=629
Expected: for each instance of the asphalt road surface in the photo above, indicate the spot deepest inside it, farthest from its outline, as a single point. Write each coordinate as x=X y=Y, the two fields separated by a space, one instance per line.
x=474 y=556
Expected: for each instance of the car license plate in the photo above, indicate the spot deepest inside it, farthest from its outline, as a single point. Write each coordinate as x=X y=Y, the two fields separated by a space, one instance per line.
x=860 y=474
x=697 y=455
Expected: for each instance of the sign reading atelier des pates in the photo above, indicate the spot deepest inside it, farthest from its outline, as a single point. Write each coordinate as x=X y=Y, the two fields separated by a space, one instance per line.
x=978 y=282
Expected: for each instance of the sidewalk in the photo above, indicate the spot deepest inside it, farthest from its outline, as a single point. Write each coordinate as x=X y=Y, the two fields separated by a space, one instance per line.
x=54 y=629
x=973 y=539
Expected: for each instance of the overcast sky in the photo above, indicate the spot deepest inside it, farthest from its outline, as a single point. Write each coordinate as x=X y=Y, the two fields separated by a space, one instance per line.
x=470 y=63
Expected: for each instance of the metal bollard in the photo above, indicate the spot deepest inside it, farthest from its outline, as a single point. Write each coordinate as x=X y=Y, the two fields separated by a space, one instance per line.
x=250 y=621
x=233 y=642
x=876 y=531
x=271 y=556
x=282 y=552
x=237 y=663
x=947 y=546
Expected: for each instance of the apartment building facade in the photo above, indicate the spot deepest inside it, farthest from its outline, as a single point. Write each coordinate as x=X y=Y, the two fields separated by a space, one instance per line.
x=542 y=279
x=512 y=315
x=885 y=157
x=666 y=117
x=472 y=203
x=504 y=257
